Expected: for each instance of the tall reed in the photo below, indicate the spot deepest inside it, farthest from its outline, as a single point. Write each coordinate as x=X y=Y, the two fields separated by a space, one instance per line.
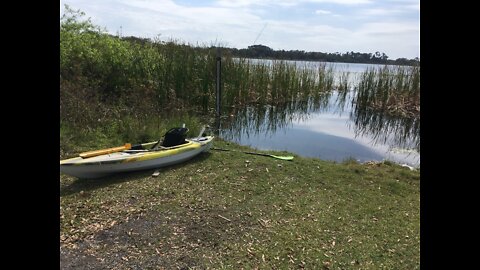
x=105 y=79
x=394 y=89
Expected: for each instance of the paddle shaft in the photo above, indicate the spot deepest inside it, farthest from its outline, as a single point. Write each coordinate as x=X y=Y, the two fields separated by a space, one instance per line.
x=255 y=153
x=127 y=146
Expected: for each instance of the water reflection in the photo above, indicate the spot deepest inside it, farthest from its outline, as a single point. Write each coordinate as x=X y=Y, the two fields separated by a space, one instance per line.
x=398 y=132
x=267 y=119
x=327 y=126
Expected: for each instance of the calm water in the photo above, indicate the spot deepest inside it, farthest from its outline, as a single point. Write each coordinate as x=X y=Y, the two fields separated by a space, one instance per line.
x=328 y=128
x=353 y=69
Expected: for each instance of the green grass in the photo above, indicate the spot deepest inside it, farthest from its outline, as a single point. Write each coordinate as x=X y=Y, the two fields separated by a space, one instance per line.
x=228 y=210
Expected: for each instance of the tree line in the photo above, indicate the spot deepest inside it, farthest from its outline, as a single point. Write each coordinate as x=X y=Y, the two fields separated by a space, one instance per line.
x=262 y=51
x=265 y=52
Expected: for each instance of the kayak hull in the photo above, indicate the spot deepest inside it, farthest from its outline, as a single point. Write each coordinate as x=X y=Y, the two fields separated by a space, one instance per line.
x=126 y=161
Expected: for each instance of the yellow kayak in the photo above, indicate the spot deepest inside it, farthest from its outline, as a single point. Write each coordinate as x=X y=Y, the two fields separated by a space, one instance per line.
x=99 y=163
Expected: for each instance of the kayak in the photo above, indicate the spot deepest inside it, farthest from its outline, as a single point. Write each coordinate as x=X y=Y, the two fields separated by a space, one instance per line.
x=100 y=163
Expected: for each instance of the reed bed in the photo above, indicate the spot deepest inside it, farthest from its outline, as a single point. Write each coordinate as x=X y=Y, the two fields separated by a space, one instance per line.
x=105 y=76
x=250 y=81
x=177 y=72
x=392 y=89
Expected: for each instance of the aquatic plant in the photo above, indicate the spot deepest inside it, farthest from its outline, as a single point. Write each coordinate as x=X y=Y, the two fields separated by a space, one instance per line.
x=394 y=89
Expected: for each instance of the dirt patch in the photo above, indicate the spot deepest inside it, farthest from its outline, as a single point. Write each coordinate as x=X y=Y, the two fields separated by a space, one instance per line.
x=169 y=239
x=77 y=259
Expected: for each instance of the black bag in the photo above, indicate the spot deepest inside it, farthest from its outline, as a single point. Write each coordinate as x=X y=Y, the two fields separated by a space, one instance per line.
x=175 y=136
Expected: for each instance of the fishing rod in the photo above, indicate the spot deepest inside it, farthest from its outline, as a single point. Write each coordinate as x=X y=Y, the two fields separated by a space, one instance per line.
x=261 y=31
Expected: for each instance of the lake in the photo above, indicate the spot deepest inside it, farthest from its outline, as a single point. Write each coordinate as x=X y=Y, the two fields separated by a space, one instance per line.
x=328 y=128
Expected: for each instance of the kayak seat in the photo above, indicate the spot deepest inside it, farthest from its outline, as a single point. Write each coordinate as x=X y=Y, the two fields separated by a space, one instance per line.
x=175 y=136
x=137 y=147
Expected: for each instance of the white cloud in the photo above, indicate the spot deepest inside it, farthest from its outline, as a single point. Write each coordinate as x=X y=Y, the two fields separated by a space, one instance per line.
x=287 y=3
x=195 y=15
x=388 y=28
x=323 y=12
x=239 y=26
x=248 y=3
x=343 y=2
x=396 y=39
x=239 y=3
x=379 y=12
x=190 y=24
x=411 y=5
x=415 y=7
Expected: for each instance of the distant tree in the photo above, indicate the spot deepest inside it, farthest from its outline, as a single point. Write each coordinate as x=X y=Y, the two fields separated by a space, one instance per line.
x=260 y=51
x=137 y=40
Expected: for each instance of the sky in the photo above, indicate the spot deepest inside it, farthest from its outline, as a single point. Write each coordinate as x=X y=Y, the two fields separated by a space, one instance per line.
x=387 y=26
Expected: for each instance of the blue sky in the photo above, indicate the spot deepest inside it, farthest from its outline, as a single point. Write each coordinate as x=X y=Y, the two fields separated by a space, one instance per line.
x=389 y=26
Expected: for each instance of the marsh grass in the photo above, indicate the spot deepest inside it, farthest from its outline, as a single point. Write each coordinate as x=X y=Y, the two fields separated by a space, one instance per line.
x=250 y=81
x=387 y=106
x=392 y=89
x=105 y=78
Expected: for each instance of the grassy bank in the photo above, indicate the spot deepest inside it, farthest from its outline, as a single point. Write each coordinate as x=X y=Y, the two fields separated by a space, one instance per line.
x=226 y=210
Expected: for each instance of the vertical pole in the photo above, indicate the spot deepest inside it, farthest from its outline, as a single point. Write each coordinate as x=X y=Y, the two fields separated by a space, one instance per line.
x=218 y=87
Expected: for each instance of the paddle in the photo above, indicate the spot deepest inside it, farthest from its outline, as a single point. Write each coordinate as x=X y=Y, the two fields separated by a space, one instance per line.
x=127 y=146
x=254 y=153
x=105 y=151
